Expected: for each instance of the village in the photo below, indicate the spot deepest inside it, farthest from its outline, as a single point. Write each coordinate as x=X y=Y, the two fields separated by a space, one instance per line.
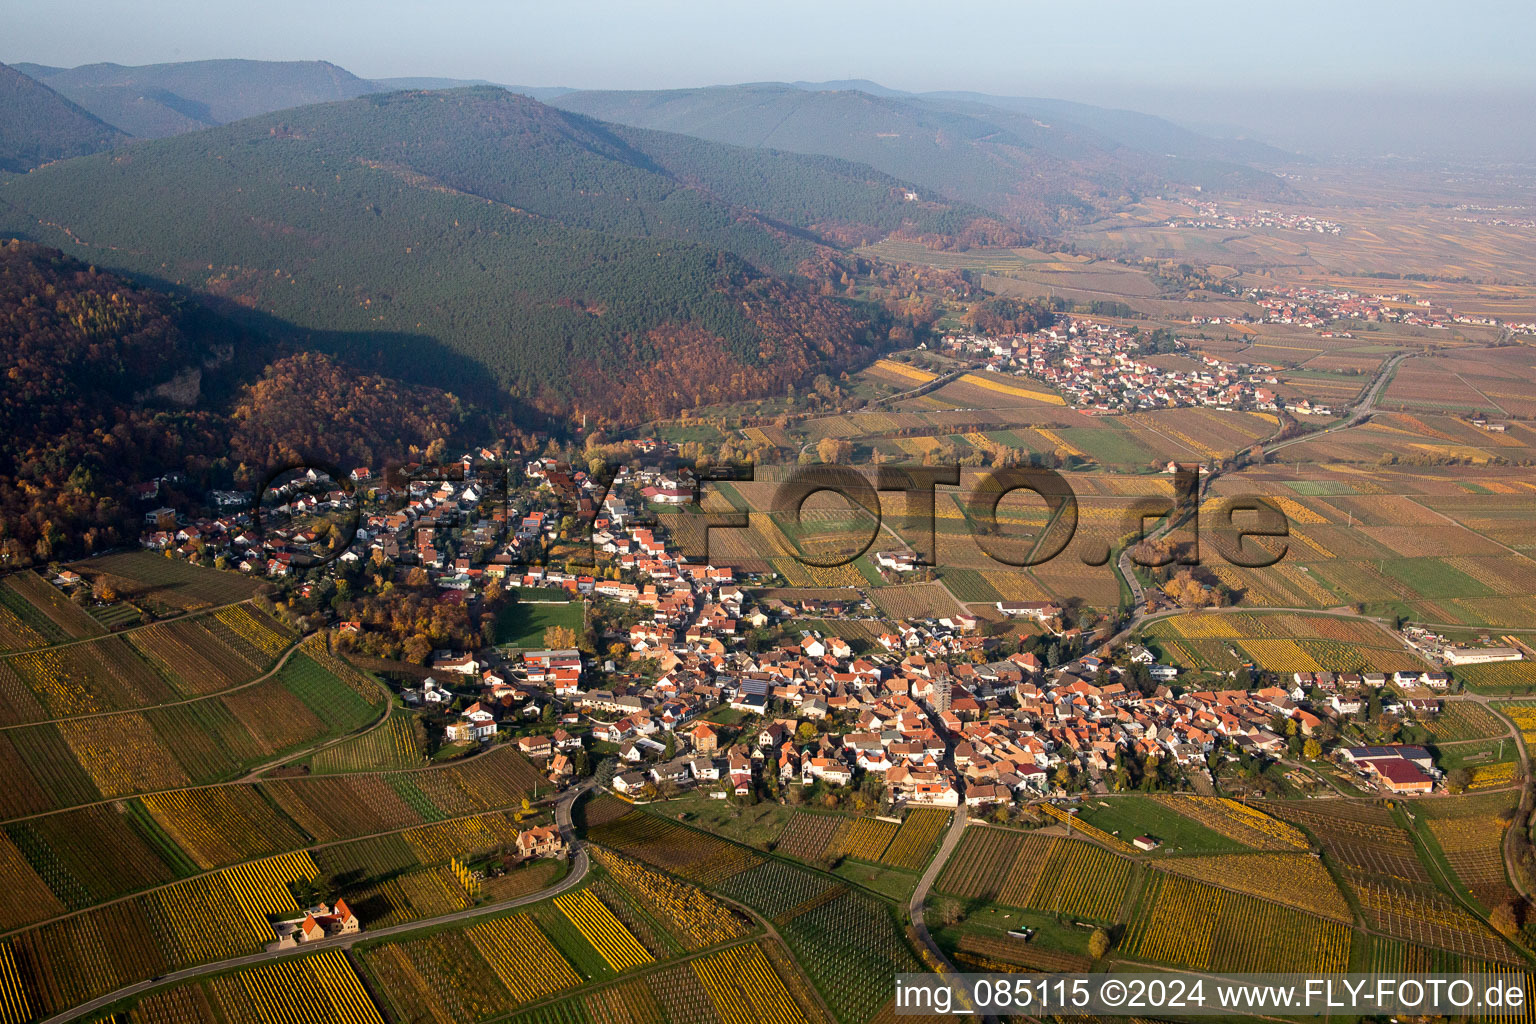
x=698 y=684
x=1321 y=308
x=1106 y=368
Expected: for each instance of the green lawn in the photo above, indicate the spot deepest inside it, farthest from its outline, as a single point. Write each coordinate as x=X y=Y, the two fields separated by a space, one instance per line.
x=755 y=825
x=523 y=625
x=1132 y=816
x=1451 y=756
x=993 y=920
x=891 y=882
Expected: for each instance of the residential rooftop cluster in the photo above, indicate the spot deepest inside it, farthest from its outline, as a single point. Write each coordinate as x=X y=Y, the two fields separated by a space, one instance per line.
x=1107 y=368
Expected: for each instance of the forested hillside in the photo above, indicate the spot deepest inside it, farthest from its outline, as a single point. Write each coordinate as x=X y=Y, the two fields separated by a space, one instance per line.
x=108 y=385
x=38 y=125
x=479 y=240
x=156 y=100
x=82 y=353
x=1010 y=162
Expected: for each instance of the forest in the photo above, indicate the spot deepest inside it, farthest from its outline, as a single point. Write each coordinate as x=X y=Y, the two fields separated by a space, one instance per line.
x=480 y=241
x=109 y=385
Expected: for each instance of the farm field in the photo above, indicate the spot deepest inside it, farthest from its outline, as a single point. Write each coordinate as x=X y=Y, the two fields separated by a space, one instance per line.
x=1468 y=833
x=1364 y=840
x=171 y=583
x=116 y=754
x=1026 y=870
x=1238 y=822
x=1186 y=923
x=1280 y=642
x=916 y=839
x=1128 y=817
x=292 y=991
x=682 y=851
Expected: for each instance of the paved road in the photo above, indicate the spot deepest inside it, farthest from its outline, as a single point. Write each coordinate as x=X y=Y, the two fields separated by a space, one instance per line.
x=580 y=864
x=1357 y=416
x=924 y=884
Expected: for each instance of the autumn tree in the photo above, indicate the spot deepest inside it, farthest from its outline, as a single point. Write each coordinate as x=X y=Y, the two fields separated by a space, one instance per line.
x=834 y=450
x=1505 y=919
x=1098 y=943
x=560 y=638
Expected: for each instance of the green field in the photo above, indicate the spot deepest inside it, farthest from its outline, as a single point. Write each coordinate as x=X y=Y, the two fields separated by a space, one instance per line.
x=523 y=625
x=1132 y=816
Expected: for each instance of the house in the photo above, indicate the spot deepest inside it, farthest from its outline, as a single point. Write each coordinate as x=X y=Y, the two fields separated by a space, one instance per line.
x=1146 y=843
x=319 y=922
x=467 y=730
x=1041 y=611
x=630 y=783
x=540 y=841
x=461 y=664
x=1345 y=705
x=705 y=739
x=535 y=746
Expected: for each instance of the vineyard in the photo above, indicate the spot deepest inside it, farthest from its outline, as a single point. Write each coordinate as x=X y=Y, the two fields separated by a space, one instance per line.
x=444 y=977
x=777 y=890
x=1039 y=872
x=1238 y=822
x=864 y=839
x=1183 y=922
x=683 y=851
x=744 y=988
x=694 y=917
x=1362 y=838
x=916 y=839
x=1473 y=846
x=1074 y=824
x=225 y=914
x=808 y=836
x=336 y=807
x=142 y=576
x=984 y=952
x=1429 y=919
x=1282 y=643
x=604 y=931
x=115 y=754
x=1295 y=879
x=850 y=947
x=297 y=990
x=222 y=824
x=460 y=837
x=523 y=959
x=401 y=742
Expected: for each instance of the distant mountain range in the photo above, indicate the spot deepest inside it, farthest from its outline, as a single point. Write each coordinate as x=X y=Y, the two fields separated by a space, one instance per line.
x=1041 y=161
x=38 y=125
x=157 y=100
x=623 y=254
x=486 y=242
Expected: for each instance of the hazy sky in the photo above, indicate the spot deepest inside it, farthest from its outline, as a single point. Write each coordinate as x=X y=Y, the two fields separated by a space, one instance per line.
x=1066 y=47
x=1196 y=59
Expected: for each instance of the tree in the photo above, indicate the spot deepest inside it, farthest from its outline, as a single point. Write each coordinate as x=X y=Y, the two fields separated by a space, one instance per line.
x=1098 y=943
x=1457 y=779
x=560 y=637
x=1505 y=919
x=102 y=590
x=1312 y=750
x=833 y=450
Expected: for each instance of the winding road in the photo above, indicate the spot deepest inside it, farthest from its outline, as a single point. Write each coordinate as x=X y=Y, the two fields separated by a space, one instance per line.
x=1358 y=414
x=580 y=864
